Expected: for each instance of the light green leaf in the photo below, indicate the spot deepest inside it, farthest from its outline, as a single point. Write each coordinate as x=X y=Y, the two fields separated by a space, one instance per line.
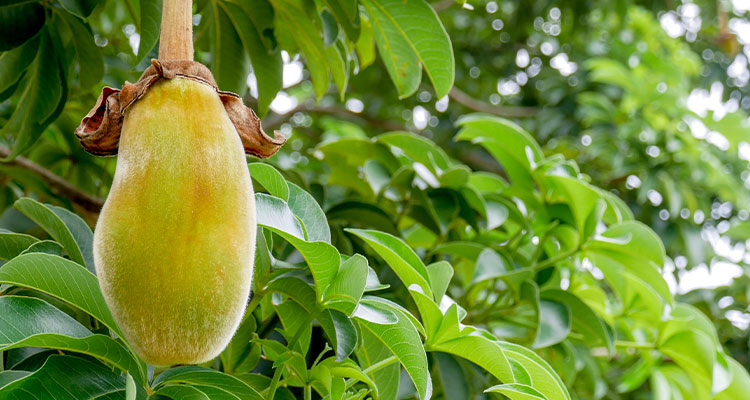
x=517 y=391
x=409 y=34
x=347 y=286
x=402 y=339
x=399 y=256
x=543 y=377
x=275 y=213
x=271 y=179
x=440 y=274
x=309 y=212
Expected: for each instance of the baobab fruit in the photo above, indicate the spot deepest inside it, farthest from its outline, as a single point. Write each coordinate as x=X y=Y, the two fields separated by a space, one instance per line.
x=174 y=243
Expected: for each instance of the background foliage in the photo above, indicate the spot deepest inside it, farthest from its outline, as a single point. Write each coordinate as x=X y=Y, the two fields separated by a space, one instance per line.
x=409 y=245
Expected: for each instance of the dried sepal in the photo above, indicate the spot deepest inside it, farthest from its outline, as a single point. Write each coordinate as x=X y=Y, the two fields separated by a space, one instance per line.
x=99 y=131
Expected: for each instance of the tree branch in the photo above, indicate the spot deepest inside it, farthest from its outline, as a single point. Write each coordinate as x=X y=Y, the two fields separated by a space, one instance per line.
x=273 y=120
x=57 y=184
x=477 y=105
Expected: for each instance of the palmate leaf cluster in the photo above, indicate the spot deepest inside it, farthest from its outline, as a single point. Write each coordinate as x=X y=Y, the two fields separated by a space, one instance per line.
x=431 y=279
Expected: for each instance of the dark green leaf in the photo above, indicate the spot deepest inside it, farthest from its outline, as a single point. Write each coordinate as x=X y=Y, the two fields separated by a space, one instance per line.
x=19 y=23
x=554 y=323
x=150 y=26
x=81 y=8
x=90 y=61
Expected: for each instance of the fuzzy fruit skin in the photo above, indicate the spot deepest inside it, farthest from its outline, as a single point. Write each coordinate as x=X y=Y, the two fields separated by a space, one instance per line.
x=175 y=241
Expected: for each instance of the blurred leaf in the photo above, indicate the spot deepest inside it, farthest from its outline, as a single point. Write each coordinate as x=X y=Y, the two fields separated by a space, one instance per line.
x=230 y=64
x=90 y=61
x=267 y=64
x=150 y=22
x=40 y=100
x=585 y=321
x=81 y=8
x=14 y=63
x=294 y=13
x=554 y=323
x=19 y=23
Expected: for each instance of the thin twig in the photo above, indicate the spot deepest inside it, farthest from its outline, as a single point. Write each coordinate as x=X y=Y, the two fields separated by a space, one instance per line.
x=477 y=105
x=58 y=185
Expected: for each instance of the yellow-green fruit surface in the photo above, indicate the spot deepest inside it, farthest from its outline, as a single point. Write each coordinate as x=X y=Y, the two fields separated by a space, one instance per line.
x=175 y=241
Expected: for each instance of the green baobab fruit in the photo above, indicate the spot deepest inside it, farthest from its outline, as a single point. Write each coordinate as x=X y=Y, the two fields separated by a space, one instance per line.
x=174 y=243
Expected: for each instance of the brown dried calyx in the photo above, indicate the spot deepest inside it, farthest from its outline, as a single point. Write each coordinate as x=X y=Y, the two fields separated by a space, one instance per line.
x=99 y=131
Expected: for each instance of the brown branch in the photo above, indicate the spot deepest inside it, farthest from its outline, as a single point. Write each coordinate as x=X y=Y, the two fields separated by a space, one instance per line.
x=273 y=120
x=443 y=5
x=57 y=184
x=477 y=105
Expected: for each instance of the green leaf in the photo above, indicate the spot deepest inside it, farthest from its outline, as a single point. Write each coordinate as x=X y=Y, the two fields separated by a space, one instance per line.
x=440 y=274
x=270 y=178
x=45 y=246
x=309 y=212
x=517 y=391
x=19 y=23
x=585 y=320
x=14 y=63
x=399 y=256
x=62 y=375
x=347 y=286
x=275 y=213
x=365 y=45
x=81 y=8
x=224 y=384
x=419 y=149
x=373 y=351
x=150 y=26
x=544 y=378
x=9 y=376
x=409 y=34
x=347 y=15
x=40 y=100
x=61 y=278
x=740 y=384
x=267 y=64
x=554 y=323
x=402 y=339
x=185 y=392
x=31 y=322
x=13 y=244
x=338 y=62
x=293 y=15
x=360 y=214
x=451 y=377
x=230 y=64
x=90 y=60
x=51 y=222
x=81 y=232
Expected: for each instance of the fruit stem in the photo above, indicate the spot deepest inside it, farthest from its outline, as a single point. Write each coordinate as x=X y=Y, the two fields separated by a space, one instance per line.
x=176 y=41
